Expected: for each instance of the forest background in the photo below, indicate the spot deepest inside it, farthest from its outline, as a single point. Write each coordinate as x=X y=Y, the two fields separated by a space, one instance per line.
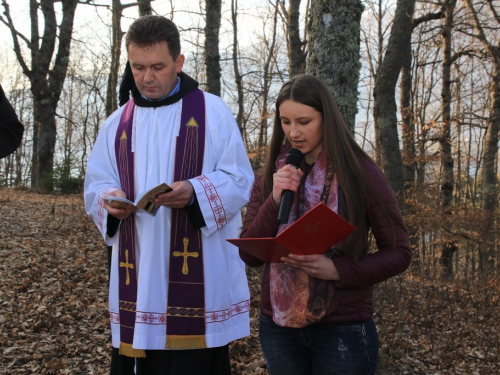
x=418 y=83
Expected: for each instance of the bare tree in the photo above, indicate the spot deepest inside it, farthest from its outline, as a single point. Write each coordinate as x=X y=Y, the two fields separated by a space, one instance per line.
x=447 y=162
x=384 y=111
x=46 y=75
x=237 y=74
x=212 y=56
x=407 y=109
x=489 y=175
x=267 y=79
x=407 y=121
x=484 y=27
x=296 y=53
x=127 y=83
x=116 y=46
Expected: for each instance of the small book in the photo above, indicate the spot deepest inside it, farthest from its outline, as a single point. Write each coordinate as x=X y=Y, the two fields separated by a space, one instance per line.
x=145 y=203
x=314 y=233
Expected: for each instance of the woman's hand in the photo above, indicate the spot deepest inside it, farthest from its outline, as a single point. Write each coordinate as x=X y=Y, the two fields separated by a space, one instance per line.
x=287 y=178
x=316 y=265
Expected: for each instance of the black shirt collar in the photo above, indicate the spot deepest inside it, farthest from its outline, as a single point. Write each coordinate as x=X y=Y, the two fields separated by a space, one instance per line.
x=188 y=84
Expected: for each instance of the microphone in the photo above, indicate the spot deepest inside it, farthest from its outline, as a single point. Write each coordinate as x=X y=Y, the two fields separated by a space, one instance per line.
x=293 y=157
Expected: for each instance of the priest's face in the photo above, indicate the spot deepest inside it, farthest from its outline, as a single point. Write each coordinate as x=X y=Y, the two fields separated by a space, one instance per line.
x=154 y=69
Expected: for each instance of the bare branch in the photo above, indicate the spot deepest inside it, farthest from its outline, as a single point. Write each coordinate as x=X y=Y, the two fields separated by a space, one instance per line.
x=427 y=17
x=15 y=35
x=493 y=50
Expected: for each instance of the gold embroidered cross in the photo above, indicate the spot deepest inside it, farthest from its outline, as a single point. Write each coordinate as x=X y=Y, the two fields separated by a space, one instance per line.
x=310 y=229
x=127 y=265
x=185 y=254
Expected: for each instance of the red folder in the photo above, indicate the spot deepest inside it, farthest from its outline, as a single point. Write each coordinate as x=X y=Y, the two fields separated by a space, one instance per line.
x=314 y=233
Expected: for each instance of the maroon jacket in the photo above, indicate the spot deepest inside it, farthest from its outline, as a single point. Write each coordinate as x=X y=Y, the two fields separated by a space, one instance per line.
x=357 y=278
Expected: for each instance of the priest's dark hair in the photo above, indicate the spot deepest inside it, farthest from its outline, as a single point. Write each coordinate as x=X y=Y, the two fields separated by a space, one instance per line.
x=148 y=30
x=345 y=155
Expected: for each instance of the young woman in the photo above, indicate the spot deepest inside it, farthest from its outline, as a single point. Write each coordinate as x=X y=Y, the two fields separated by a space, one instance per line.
x=316 y=310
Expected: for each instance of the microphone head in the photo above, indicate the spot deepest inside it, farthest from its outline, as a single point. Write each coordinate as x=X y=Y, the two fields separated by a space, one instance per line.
x=294 y=157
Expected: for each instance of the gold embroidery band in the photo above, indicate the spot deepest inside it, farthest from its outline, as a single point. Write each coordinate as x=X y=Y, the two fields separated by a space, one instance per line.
x=185 y=342
x=127 y=350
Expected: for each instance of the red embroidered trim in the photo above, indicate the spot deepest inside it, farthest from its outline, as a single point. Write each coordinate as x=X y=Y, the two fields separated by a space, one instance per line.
x=114 y=318
x=100 y=206
x=150 y=318
x=210 y=316
x=223 y=315
x=214 y=200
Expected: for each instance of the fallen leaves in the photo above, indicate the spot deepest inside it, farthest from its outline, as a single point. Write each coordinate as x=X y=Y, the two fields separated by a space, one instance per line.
x=54 y=320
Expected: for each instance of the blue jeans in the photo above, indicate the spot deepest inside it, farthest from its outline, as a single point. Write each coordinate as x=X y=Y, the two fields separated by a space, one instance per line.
x=320 y=349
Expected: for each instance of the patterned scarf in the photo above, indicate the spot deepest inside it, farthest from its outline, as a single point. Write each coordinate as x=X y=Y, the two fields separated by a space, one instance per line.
x=298 y=299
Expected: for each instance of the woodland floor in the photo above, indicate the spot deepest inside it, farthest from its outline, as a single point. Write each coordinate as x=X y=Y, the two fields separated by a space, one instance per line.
x=53 y=314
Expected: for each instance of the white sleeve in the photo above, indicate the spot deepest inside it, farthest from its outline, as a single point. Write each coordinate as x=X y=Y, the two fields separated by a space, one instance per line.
x=224 y=188
x=101 y=176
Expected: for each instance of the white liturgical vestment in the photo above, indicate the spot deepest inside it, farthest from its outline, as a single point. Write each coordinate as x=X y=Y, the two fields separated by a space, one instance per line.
x=227 y=181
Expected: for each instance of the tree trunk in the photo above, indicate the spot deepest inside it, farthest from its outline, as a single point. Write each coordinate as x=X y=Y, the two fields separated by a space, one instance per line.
x=296 y=56
x=46 y=76
x=490 y=153
x=267 y=78
x=384 y=111
x=237 y=75
x=333 y=51
x=127 y=83
x=212 y=56
x=116 y=10
x=447 y=164
x=407 y=123
x=46 y=145
x=144 y=7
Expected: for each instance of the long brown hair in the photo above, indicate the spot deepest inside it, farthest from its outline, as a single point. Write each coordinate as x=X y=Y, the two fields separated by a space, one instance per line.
x=343 y=152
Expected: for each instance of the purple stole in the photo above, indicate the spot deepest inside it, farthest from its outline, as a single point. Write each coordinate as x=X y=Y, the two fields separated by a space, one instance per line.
x=185 y=321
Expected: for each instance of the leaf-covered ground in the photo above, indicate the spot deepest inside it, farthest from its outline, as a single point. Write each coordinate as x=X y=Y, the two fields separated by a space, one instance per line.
x=53 y=309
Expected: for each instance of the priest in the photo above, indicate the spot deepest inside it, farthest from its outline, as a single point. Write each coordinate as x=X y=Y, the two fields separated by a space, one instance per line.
x=178 y=290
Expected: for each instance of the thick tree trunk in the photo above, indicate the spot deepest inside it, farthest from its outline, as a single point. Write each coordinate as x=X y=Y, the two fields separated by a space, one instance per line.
x=212 y=56
x=46 y=146
x=384 y=111
x=333 y=50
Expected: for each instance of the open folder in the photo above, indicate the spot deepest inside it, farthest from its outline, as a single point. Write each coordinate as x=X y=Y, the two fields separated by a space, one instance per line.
x=314 y=233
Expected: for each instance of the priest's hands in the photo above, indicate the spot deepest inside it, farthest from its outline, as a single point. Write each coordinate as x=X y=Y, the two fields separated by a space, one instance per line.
x=316 y=265
x=179 y=197
x=119 y=210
